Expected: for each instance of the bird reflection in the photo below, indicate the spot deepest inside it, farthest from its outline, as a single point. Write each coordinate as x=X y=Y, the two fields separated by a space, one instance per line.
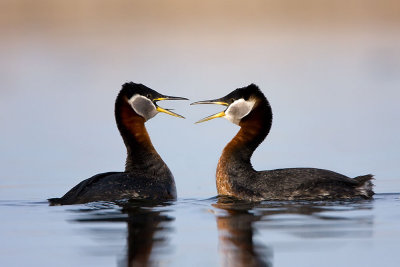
x=147 y=228
x=235 y=228
x=238 y=221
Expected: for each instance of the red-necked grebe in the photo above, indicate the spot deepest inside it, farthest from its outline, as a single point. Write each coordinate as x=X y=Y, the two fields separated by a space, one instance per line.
x=146 y=175
x=249 y=108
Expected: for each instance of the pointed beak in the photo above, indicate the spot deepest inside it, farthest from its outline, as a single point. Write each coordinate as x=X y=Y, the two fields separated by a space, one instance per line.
x=215 y=101
x=218 y=115
x=165 y=97
x=168 y=111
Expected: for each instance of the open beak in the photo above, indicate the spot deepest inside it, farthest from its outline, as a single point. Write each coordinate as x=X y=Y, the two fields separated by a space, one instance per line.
x=217 y=102
x=168 y=111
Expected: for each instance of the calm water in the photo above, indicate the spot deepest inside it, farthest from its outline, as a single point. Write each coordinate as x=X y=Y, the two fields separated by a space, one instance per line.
x=202 y=232
x=330 y=69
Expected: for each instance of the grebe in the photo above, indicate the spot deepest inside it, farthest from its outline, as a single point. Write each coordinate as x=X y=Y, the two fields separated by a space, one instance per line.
x=249 y=108
x=146 y=176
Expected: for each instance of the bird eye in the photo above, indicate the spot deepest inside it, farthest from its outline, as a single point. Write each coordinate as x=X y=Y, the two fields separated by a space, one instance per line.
x=149 y=96
x=232 y=100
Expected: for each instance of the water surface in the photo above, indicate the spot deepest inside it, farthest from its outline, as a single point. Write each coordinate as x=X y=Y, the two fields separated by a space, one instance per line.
x=203 y=232
x=330 y=69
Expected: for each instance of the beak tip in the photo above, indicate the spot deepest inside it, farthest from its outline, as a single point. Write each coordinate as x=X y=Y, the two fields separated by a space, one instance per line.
x=216 y=102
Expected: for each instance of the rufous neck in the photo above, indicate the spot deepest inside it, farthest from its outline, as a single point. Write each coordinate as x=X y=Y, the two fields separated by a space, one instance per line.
x=253 y=130
x=141 y=154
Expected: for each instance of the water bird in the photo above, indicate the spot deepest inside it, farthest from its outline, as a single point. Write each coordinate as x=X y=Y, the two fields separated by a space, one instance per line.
x=235 y=176
x=146 y=175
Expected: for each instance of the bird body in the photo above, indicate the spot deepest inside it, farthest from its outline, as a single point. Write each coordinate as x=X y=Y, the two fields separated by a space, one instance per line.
x=235 y=176
x=112 y=186
x=146 y=175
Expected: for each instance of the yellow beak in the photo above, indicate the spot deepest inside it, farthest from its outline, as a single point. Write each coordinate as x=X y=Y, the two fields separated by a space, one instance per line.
x=217 y=102
x=218 y=115
x=160 y=109
x=210 y=102
x=167 y=111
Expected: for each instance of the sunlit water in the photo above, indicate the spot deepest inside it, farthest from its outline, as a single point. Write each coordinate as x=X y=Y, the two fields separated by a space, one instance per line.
x=331 y=70
x=202 y=232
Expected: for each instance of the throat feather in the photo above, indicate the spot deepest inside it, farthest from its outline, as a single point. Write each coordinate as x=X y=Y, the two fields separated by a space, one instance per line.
x=141 y=153
x=234 y=163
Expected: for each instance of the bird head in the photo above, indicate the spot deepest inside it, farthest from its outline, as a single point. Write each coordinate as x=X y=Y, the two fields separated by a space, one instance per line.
x=239 y=104
x=143 y=100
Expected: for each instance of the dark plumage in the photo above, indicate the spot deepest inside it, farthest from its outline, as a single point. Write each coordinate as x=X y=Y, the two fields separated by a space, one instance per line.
x=146 y=175
x=249 y=108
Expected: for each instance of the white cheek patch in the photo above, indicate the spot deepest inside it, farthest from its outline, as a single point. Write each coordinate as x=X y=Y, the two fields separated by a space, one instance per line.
x=143 y=106
x=238 y=110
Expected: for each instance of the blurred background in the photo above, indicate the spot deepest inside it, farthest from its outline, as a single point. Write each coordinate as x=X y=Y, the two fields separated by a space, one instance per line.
x=330 y=69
